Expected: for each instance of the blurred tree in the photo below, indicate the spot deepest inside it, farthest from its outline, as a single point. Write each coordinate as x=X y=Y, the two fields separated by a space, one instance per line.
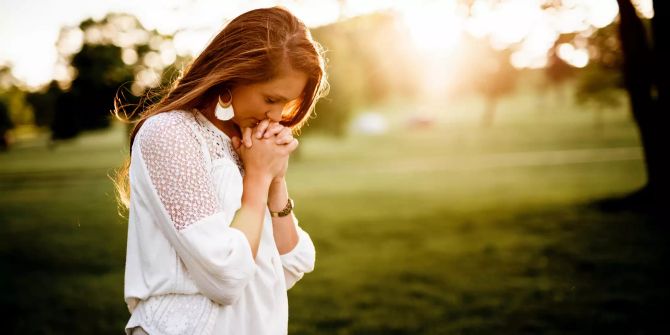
x=367 y=64
x=558 y=72
x=86 y=105
x=44 y=104
x=498 y=81
x=487 y=71
x=645 y=76
x=5 y=125
x=601 y=87
x=600 y=83
x=12 y=95
x=644 y=68
x=97 y=59
x=6 y=78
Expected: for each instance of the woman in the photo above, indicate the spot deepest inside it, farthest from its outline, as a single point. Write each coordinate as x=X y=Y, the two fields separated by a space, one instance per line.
x=213 y=243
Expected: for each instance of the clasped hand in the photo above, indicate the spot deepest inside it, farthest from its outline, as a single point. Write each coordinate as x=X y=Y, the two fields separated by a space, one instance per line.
x=265 y=149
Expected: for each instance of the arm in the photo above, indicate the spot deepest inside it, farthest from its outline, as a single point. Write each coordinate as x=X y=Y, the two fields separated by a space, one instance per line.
x=295 y=246
x=283 y=228
x=249 y=218
x=218 y=257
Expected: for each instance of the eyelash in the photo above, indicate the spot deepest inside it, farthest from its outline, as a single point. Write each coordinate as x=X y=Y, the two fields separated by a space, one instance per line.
x=270 y=101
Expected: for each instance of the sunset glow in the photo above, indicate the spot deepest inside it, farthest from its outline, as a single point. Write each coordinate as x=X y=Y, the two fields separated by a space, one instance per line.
x=435 y=26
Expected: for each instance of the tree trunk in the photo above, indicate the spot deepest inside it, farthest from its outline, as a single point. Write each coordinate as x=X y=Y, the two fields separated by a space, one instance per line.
x=662 y=72
x=491 y=102
x=659 y=23
x=641 y=77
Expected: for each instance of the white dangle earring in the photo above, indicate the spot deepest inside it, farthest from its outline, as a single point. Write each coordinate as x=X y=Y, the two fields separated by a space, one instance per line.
x=224 y=111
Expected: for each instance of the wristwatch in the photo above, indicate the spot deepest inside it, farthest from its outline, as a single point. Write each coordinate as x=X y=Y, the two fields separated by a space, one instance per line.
x=284 y=212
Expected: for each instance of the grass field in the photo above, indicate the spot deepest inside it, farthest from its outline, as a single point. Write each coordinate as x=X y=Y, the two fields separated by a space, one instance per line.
x=453 y=229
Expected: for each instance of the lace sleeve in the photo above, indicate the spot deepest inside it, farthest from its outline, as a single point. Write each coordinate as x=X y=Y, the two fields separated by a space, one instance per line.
x=176 y=164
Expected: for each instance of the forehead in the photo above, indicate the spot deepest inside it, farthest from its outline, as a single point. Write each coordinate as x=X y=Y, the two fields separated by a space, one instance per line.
x=288 y=84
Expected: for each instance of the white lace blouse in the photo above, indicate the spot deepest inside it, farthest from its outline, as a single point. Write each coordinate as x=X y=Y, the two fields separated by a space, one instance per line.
x=187 y=271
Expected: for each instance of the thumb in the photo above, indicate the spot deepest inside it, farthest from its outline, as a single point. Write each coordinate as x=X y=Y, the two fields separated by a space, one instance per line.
x=236 y=143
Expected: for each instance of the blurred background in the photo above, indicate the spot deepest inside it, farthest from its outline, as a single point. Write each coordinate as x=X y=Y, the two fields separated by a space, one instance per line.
x=479 y=166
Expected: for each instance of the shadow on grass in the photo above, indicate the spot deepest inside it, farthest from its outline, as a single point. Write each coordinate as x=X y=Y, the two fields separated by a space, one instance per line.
x=607 y=263
x=562 y=270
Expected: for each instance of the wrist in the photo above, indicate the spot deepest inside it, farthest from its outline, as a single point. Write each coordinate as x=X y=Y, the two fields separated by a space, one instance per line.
x=284 y=211
x=259 y=179
x=255 y=190
x=277 y=206
x=277 y=195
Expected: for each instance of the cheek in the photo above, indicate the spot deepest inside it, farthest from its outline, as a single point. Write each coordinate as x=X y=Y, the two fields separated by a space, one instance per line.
x=247 y=108
x=259 y=109
x=251 y=106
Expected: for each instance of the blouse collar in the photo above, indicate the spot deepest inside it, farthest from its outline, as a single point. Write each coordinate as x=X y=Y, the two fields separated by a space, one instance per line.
x=207 y=123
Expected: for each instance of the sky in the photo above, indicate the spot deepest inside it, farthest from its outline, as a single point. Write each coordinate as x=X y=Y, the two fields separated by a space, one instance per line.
x=30 y=28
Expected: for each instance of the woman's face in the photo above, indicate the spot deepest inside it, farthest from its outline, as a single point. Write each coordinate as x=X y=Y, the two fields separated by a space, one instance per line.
x=255 y=102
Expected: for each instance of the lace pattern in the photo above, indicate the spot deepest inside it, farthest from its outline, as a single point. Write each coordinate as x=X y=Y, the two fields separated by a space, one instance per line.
x=175 y=160
x=218 y=142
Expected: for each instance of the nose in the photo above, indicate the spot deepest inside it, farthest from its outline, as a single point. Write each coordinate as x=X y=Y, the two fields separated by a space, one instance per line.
x=274 y=114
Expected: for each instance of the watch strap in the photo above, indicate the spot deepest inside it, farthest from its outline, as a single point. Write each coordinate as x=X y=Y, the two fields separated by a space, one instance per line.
x=284 y=212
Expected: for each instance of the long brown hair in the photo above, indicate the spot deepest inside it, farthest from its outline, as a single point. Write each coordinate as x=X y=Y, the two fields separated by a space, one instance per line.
x=254 y=47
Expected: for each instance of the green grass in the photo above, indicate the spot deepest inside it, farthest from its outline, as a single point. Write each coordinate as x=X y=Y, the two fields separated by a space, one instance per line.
x=449 y=230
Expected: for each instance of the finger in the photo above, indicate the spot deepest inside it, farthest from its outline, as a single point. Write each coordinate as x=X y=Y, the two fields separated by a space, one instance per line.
x=285 y=131
x=274 y=129
x=236 y=143
x=285 y=136
x=284 y=139
x=292 y=146
x=247 y=137
x=260 y=129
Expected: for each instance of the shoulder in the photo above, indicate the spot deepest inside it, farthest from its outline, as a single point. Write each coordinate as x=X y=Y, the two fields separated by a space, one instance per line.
x=174 y=128
x=167 y=119
x=172 y=124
